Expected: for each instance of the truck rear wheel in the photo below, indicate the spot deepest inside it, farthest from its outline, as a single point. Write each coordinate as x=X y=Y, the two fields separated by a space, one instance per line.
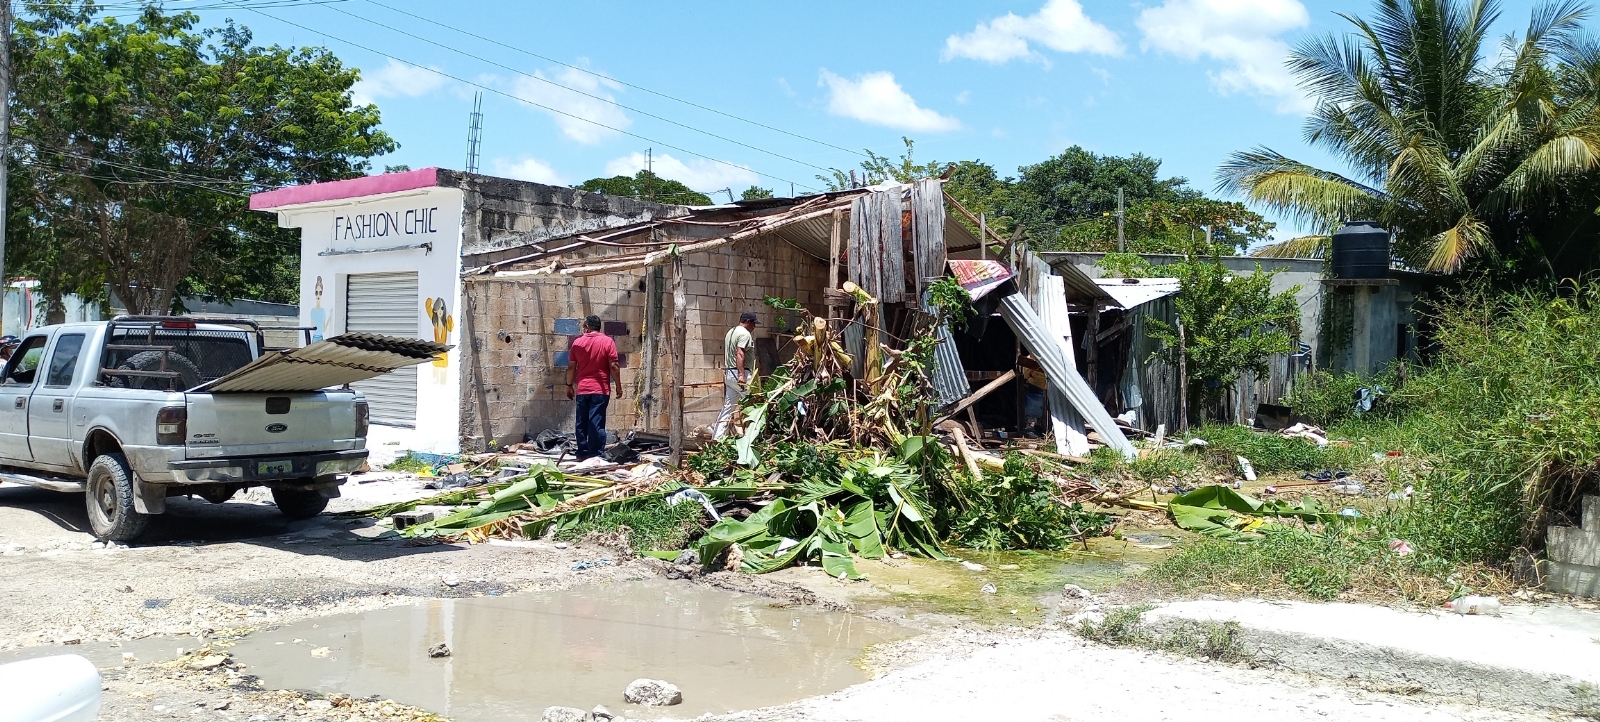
x=109 y=497
x=299 y=504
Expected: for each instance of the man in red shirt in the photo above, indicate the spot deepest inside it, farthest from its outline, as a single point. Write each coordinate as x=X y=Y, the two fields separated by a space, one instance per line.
x=592 y=371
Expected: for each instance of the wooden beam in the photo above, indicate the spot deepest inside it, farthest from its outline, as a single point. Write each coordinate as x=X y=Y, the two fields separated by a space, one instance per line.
x=834 y=239
x=648 y=400
x=978 y=395
x=680 y=342
x=1114 y=330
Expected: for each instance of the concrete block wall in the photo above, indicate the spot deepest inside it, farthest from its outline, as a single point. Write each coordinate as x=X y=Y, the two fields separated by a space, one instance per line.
x=514 y=333
x=1572 y=554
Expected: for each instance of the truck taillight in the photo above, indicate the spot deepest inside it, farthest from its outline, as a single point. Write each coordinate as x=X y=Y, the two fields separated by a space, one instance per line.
x=363 y=418
x=172 y=425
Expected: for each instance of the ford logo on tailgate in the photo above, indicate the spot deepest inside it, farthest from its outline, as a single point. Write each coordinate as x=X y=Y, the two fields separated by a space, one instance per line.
x=277 y=428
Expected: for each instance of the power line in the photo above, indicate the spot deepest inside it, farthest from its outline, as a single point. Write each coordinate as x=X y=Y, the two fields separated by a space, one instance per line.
x=608 y=78
x=497 y=91
x=569 y=88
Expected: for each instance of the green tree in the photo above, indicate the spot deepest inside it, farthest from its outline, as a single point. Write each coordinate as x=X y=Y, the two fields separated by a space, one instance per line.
x=645 y=185
x=138 y=143
x=755 y=193
x=882 y=169
x=1471 y=163
x=1226 y=324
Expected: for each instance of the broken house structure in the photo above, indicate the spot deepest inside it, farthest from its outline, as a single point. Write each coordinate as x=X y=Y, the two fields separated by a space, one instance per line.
x=504 y=271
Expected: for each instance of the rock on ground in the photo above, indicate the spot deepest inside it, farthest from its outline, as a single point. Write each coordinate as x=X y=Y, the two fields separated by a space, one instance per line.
x=564 y=714
x=652 y=693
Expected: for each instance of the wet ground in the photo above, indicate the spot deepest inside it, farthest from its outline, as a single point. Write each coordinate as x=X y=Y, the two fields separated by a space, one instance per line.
x=576 y=648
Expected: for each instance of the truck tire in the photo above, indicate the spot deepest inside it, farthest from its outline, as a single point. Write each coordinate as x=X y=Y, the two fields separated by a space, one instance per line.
x=299 y=504
x=188 y=373
x=109 y=496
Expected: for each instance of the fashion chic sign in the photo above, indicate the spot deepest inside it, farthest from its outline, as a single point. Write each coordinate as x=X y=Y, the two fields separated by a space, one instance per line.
x=393 y=224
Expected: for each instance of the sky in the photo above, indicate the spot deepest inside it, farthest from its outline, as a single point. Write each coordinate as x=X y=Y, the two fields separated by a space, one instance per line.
x=729 y=95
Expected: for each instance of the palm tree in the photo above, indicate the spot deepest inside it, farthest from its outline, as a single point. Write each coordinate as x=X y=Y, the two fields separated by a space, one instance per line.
x=1462 y=159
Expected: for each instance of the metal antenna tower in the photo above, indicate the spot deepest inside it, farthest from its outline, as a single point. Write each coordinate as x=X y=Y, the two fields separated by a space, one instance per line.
x=475 y=132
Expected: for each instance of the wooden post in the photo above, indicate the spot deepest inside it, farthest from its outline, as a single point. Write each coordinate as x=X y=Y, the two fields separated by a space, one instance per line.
x=834 y=240
x=1183 y=379
x=680 y=342
x=1091 y=355
x=649 y=402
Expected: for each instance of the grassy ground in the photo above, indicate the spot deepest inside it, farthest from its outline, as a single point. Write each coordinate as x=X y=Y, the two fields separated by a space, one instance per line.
x=1498 y=438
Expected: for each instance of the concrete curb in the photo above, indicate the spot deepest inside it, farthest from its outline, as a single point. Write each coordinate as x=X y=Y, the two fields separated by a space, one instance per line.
x=1403 y=651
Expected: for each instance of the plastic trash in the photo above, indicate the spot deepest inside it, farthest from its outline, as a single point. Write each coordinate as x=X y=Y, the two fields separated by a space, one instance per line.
x=1352 y=488
x=1246 y=469
x=65 y=688
x=1350 y=512
x=693 y=494
x=1476 y=605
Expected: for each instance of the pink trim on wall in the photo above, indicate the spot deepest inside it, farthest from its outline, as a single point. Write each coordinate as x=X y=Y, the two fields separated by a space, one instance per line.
x=338 y=190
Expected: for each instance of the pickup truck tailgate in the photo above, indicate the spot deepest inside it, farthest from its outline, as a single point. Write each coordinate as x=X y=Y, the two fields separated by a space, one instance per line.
x=270 y=423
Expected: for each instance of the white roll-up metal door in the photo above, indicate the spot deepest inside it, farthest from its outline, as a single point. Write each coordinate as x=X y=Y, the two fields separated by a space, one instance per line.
x=386 y=303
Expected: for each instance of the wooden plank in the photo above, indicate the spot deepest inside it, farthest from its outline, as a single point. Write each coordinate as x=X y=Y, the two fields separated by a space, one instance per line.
x=647 y=400
x=833 y=259
x=927 y=232
x=891 y=247
x=978 y=395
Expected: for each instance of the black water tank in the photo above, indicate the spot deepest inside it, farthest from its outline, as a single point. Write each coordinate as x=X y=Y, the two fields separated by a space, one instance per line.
x=1361 y=250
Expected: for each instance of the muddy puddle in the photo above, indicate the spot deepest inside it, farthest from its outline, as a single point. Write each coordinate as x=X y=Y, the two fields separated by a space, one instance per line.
x=1009 y=588
x=513 y=656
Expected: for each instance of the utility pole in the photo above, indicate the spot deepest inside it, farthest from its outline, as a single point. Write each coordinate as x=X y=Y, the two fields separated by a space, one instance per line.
x=474 y=131
x=5 y=135
x=649 y=173
x=1122 y=241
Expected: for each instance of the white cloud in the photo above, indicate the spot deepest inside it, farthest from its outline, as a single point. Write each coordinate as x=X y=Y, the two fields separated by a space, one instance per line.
x=1243 y=34
x=701 y=175
x=526 y=168
x=566 y=101
x=876 y=98
x=394 y=80
x=1060 y=25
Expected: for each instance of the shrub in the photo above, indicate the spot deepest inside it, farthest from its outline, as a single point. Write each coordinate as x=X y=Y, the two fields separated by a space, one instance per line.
x=1327 y=398
x=1018 y=510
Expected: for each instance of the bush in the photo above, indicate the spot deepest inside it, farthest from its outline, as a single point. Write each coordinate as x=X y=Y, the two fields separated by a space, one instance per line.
x=1327 y=398
x=1018 y=510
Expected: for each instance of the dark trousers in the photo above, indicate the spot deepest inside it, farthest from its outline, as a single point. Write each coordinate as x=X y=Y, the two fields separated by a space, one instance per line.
x=590 y=430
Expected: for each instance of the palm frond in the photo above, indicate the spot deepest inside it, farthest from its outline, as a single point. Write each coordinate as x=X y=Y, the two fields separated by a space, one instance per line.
x=1469 y=237
x=1296 y=189
x=1302 y=247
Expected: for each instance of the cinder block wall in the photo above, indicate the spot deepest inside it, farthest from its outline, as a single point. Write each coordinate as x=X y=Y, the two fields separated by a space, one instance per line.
x=514 y=331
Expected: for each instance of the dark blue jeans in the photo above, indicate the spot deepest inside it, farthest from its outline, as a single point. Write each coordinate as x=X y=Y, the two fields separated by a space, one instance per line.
x=590 y=429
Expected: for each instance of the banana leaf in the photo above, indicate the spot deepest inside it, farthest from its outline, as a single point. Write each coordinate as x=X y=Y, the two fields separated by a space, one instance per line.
x=1221 y=512
x=756 y=420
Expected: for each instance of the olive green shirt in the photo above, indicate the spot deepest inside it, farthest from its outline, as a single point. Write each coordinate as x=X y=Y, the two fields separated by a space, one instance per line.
x=739 y=338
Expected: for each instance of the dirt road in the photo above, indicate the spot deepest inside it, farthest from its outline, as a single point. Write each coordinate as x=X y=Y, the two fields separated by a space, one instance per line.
x=210 y=571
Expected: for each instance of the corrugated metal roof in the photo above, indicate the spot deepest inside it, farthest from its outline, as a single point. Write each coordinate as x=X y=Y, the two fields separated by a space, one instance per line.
x=330 y=362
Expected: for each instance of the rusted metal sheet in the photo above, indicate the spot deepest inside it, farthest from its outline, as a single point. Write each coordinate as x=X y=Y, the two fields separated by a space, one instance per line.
x=330 y=362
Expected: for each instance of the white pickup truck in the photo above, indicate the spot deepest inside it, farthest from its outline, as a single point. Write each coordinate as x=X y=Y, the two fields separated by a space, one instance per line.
x=136 y=409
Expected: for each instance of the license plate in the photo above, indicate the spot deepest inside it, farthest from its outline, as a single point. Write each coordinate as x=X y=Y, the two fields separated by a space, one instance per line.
x=274 y=467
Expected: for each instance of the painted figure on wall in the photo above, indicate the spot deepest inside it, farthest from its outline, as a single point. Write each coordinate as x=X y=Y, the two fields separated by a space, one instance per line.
x=443 y=324
x=319 y=315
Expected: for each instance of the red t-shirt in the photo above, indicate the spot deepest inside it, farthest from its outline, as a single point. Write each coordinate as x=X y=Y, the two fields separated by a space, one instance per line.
x=591 y=357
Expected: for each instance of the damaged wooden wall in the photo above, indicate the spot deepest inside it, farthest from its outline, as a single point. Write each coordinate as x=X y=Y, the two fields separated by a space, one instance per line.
x=515 y=333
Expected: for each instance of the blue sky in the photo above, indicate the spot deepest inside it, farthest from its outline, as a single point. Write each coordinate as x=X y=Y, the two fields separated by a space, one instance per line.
x=1009 y=82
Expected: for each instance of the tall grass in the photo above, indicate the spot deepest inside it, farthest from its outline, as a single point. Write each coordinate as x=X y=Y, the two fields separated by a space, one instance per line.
x=1504 y=428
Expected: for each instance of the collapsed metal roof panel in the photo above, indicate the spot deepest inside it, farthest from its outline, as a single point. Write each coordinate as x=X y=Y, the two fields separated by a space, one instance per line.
x=330 y=362
x=1132 y=292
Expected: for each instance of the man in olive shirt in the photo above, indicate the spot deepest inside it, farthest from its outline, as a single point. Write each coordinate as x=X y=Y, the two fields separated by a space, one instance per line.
x=738 y=363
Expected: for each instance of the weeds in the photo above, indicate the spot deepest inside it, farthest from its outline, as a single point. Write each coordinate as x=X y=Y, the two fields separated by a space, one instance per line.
x=1125 y=627
x=1121 y=627
x=1327 y=398
x=409 y=464
x=657 y=526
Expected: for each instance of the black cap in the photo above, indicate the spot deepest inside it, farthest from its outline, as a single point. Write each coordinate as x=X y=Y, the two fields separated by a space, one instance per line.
x=749 y=316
